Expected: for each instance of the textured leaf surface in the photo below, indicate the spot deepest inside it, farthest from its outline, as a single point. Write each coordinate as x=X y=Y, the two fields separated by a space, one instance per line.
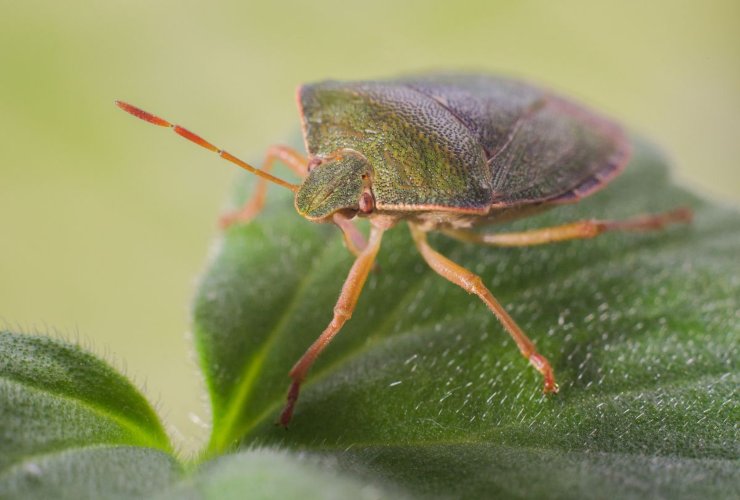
x=70 y=424
x=269 y=474
x=90 y=472
x=423 y=387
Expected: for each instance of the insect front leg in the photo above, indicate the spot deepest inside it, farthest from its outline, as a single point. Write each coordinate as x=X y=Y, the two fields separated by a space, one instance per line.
x=353 y=238
x=293 y=159
x=342 y=312
x=471 y=283
x=575 y=230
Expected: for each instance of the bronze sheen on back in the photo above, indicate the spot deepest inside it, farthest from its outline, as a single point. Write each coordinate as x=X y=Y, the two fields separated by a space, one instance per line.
x=441 y=152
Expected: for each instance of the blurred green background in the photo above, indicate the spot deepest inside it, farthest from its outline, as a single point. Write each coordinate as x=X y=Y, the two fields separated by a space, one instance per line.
x=106 y=222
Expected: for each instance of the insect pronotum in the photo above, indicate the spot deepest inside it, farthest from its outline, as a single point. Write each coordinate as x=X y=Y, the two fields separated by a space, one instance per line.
x=444 y=153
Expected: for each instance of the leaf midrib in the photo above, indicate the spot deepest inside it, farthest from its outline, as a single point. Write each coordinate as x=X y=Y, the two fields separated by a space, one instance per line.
x=253 y=366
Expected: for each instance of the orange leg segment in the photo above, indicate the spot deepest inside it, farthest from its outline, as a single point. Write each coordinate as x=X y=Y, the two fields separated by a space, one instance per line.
x=353 y=238
x=342 y=312
x=471 y=283
x=297 y=163
x=575 y=230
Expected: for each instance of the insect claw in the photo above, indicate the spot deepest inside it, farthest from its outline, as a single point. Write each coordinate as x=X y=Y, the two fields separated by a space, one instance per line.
x=551 y=387
x=287 y=414
x=279 y=424
x=543 y=366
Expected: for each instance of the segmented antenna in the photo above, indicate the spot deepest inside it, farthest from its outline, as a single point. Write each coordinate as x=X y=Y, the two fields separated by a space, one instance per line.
x=156 y=120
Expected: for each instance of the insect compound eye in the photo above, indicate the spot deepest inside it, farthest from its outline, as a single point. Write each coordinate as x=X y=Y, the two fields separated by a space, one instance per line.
x=367 y=203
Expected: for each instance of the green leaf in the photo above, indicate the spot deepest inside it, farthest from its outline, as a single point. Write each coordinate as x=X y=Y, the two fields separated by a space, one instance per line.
x=72 y=426
x=93 y=471
x=423 y=387
x=273 y=474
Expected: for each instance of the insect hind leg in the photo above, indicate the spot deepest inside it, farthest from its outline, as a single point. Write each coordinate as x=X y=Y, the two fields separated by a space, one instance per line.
x=472 y=283
x=584 y=229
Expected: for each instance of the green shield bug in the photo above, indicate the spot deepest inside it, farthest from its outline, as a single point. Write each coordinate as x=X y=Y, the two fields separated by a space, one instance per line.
x=446 y=153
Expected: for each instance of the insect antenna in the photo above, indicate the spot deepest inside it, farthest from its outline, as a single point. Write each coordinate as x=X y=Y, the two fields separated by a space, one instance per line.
x=156 y=120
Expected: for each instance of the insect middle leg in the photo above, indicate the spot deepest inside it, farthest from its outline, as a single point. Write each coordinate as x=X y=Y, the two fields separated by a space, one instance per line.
x=342 y=312
x=575 y=230
x=472 y=283
x=293 y=159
